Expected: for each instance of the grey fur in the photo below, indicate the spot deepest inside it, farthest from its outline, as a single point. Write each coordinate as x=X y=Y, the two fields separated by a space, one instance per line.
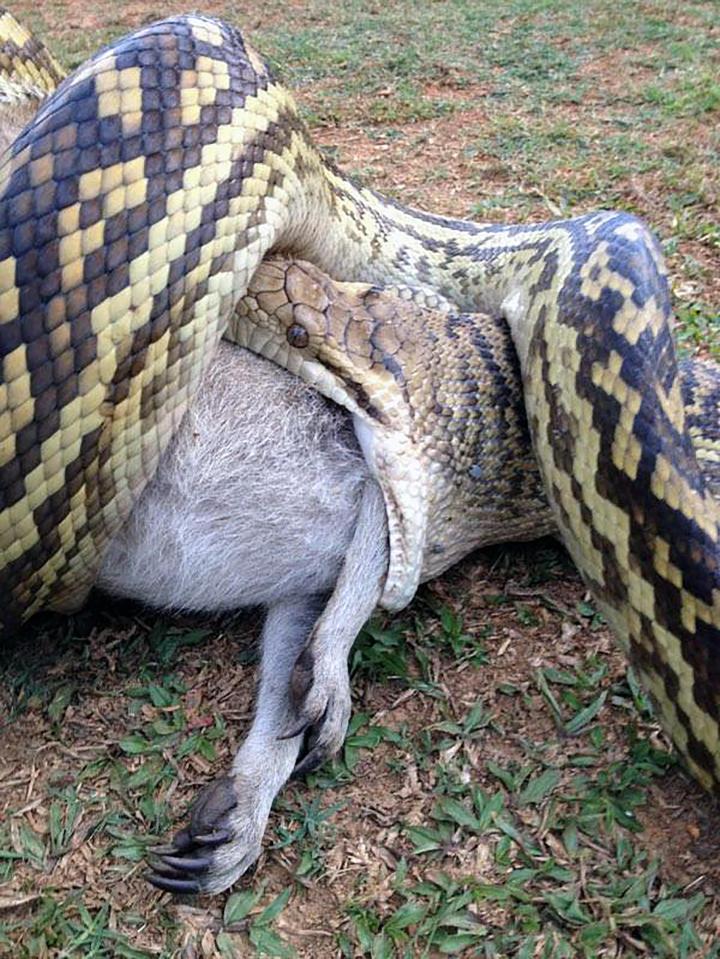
x=255 y=501
x=263 y=498
x=269 y=756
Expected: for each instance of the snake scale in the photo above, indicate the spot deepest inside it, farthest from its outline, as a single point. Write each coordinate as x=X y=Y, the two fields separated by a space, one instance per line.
x=489 y=369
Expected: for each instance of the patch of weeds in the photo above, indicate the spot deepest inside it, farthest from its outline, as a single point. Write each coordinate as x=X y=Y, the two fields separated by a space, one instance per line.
x=405 y=102
x=68 y=927
x=27 y=662
x=471 y=728
x=572 y=709
x=30 y=846
x=126 y=844
x=307 y=826
x=609 y=796
x=165 y=641
x=164 y=695
x=394 y=650
x=243 y=916
x=693 y=95
x=380 y=653
x=437 y=914
x=8 y=854
x=363 y=735
x=520 y=202
x=152 y=773
x=202 y=741
x=65 y=810
x=696 y=329
x=170 y=723
x=629 y=695
x=594 y=619
x=60 y=701
x=22 y=690
x=549 y=896
x=450 y=637
x=532 y=565
x=155 y=737
x=525 y=616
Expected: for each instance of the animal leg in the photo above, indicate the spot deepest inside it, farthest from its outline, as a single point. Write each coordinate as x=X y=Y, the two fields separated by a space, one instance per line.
x=304 y=684
x=228 y=819
x=320 y=684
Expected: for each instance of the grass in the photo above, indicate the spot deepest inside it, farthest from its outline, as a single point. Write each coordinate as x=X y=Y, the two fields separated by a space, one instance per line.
x=503 y=790
x=511 y=839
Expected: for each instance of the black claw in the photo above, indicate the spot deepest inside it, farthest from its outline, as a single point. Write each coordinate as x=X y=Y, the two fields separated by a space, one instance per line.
x=216 y=838
x=168 y=884
x=184 y=863
x=182 y=856
x=170 y=849
x=162 y=869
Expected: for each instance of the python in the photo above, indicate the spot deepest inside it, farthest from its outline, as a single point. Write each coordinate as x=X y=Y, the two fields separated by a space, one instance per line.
x=136 y=208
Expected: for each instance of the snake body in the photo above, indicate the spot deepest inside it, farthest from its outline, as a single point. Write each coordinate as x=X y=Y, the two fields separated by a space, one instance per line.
x=135 y=210
x=27 y=68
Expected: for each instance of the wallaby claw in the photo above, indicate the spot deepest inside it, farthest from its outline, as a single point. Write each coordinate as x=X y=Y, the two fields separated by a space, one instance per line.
x=174 y=866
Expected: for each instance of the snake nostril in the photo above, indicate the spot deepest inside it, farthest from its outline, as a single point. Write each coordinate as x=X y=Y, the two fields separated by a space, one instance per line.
x=297 y=335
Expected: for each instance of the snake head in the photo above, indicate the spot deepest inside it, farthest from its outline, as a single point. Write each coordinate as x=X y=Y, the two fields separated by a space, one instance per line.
x=323 y=332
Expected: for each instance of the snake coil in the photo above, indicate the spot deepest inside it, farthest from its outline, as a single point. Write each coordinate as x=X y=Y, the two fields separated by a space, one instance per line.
x=135 y=210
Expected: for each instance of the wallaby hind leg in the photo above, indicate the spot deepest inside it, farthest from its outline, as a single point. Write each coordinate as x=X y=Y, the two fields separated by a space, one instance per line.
x=229 y=817
x=320 y=684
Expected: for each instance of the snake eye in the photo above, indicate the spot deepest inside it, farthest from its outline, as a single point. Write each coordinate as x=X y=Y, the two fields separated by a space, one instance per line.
x=297 y=336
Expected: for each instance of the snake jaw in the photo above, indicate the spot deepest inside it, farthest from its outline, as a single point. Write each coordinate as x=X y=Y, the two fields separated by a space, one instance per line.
x=402 y=478
x=342 y=340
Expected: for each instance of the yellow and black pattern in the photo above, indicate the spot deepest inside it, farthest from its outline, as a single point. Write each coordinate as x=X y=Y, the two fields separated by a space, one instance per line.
x=134 y=211
x=606 y=409
x=123 y=204
x=701 y=396
x=27 y=68
x=441 y=415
